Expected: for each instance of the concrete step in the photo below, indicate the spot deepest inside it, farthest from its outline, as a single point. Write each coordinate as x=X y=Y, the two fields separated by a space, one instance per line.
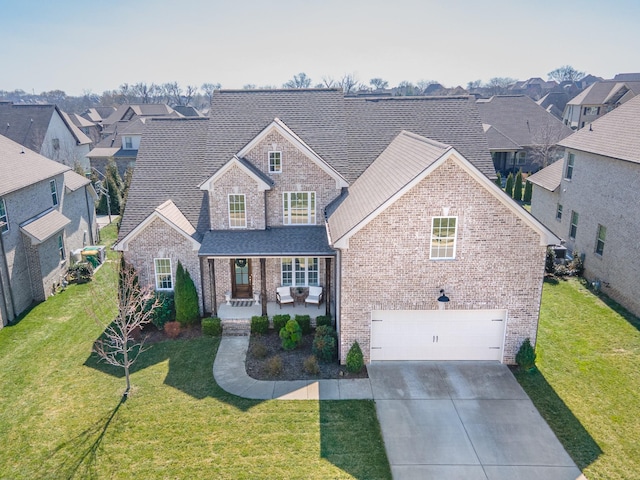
x=233 y=327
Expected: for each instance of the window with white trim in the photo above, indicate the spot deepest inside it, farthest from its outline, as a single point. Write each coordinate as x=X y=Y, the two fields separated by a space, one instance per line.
x=4 y=218
x=61 y=248
x=300 y=272
x=601 y=237
x=275 y=162
x=164 y=278
x=522 y=158
x=54 y=192
x=559 y=212
x=299 y=208
x=570 y=161
x=573 y=228
x=591 y=110
x=443 y=238
x=128 y=143
x=237 y=211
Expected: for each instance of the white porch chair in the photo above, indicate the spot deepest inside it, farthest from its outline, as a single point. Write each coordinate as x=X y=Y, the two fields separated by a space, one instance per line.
x=283 y=296
x=315 y=296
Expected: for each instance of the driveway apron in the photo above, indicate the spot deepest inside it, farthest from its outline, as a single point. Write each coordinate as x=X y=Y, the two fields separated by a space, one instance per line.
x=463 y=420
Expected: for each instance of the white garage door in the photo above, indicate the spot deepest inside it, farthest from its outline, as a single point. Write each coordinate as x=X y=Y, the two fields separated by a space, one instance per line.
x=437 y=334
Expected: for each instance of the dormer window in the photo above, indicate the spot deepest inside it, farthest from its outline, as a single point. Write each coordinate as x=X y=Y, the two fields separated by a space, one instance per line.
x=275 y=162
x=128 y=143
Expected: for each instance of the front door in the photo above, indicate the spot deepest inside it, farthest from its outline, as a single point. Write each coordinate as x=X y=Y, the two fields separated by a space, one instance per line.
x=241 y=278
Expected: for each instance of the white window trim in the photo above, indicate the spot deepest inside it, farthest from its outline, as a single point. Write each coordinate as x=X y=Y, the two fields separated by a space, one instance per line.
x=604 y=241
x=311 y=212
x=571 y=163
x=522 y=157
x=229 y=209
x=53 y=187
x=455 y=239
x=6 y=217
x=559 y=212
x=125 y=142
x=62 y=251
x=571 y=224
x=305 y=270
x=269 y=160
x=155 y=274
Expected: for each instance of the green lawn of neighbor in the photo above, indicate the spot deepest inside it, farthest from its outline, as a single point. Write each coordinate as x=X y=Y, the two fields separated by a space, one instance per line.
x=61 y=414
x=588 y=383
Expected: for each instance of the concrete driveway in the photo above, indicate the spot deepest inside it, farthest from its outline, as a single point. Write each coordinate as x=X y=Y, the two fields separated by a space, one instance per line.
x=463 y=420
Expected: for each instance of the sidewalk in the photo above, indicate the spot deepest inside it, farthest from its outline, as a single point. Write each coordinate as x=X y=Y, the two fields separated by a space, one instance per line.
x=103 y=220
x=230 y=373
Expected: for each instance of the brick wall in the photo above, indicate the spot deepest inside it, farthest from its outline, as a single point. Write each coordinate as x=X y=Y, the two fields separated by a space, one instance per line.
x=499 y=263
x=236 y=181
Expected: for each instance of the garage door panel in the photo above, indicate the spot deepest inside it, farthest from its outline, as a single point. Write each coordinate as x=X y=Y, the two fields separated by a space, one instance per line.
x=437 y=334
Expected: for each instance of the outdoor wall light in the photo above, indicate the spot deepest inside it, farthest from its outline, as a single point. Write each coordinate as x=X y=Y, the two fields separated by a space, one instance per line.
x=442 y=299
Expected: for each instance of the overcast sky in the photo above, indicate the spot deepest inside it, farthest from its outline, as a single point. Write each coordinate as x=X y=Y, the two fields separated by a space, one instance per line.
x=79 y=46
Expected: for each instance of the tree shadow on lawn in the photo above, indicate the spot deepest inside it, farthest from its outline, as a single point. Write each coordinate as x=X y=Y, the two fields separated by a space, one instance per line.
x=578 y=443
x=77 y=457
x=190 y=368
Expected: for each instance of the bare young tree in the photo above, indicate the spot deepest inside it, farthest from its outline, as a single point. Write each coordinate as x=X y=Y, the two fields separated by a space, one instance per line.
x=118 y=345
x=298 y=81
x=565 y=73
x=348 y=82
x=208 y=89
x=173 y=92
x=545 y=140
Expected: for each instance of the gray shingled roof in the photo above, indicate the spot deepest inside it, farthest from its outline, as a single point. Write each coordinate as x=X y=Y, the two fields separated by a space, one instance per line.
x=74 y=181
x=170 y=165
x=597 y=93
x=498 y=140
x=44 y=226
x=25 y=124
x=520 y=119
x=406 y=157
x=614 y=135
x=299 y=241
x=549 y=177
x=22 y=167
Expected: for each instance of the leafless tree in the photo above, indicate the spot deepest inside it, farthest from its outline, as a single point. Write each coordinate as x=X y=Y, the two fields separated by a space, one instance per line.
x=300 y=80
x=499 y=85
x=348 y=82
x=118 y=345
x=172 y=92
x=565 y=73
x=545 y=140
x=378 y=83
x=208 y=89
x=328 y=82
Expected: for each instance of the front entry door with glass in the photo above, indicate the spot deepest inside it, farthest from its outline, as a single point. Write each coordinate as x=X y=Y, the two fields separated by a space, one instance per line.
x=241 y=278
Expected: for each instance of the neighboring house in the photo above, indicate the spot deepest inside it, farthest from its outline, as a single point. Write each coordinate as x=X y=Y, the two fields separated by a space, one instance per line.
x=521 y=134
x=598 y=99
x=46 y=211
x=128 y=112
x=535 y=87
x=45 y=130
x=362 y=196
x=89 y=128
x=590 y=199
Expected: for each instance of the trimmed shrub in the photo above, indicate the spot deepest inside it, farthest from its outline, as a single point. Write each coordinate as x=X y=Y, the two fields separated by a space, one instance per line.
x=499 y=179
x=279 y=321
x=172 y=329
x=528 y=191
x=165 y=312
x=576 y=266
x=311 y=365
x=80 y=273
x=259 y=350
x=517 y=186
x=291 y=335
x=355 y=360
x=274 y=366
x=185 y=297
x=323 y=320
x=212 y=326
x=550 y=261
x=526 y=356
x=323 y=330
x=259 y=325
x=305 y=323
x=325 y=348
x=509 y=186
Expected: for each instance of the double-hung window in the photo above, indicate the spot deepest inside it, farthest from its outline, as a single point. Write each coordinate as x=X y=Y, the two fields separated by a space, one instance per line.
x=522 y=158
x=237 y=211
x=559 y=212
x=570 y=161
x=299 y=208
x=573 y=229
x=164 y=278
x=54 y=192
x=602 y=236
x=128 y=143
x=4 y=218
x=61 y=248
x=443 y=238
x=275 y=162
x=298 y=272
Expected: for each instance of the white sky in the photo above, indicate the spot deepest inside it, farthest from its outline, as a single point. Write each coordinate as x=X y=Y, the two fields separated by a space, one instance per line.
x=79 y=46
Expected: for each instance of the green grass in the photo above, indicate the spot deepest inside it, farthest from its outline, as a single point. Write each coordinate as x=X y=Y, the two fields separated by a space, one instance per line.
x=61 y=414
x=588 y=383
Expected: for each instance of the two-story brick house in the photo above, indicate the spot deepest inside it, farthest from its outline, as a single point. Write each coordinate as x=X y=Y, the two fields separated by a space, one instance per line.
x=358 y=195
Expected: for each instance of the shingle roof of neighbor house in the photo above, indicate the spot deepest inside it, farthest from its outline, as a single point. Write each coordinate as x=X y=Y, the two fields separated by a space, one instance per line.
x=22 y=167
x=177 y=155
x=25 y=124
x=498 y=140
x=600 y=92
x=549 y=177
x=615 y=135
x=74 y=181
x=520 y=119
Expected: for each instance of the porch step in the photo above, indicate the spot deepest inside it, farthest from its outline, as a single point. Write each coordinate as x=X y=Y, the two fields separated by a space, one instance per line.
x=233 y=327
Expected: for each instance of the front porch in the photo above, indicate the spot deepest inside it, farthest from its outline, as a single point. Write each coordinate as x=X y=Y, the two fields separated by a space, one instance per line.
x=229 y=312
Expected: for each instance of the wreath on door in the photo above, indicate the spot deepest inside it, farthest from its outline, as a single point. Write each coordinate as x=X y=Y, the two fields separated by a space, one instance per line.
x=241 y=262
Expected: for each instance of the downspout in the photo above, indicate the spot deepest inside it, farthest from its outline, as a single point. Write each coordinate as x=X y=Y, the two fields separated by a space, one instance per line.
x=5 y=263
x=212 y=282
x=86 y=199
x=338 y=275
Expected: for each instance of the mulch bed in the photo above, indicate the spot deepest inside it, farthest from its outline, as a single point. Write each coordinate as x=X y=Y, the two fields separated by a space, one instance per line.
x=153 y=335
x=292 y=361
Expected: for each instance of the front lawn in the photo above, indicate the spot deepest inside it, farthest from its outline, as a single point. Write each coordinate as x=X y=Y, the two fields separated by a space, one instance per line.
x=61 y=414
x=588 y=383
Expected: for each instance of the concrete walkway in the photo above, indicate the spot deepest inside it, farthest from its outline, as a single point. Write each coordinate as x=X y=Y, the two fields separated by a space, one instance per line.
x=440 y=420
